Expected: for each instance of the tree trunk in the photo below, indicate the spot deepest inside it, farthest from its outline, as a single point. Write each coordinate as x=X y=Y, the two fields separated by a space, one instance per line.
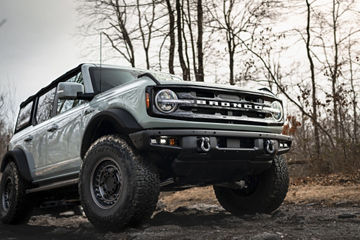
x=334 y=72
x=192 y=41
x=147 y=58
x=354 y=95
x=172 y=37
x=125 y=34
x=231 y=60
x=200 y=71
x=185 y=70
x=313 y=83
x=231 y=66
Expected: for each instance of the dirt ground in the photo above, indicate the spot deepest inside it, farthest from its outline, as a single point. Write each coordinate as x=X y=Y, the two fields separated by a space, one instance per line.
x=315 y=208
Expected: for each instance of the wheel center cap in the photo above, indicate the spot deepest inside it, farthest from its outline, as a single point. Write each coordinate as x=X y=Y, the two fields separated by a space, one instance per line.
x=110 y=184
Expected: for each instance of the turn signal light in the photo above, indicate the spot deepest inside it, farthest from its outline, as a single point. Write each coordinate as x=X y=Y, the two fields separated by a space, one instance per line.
x=172 y=142
x=147 y=100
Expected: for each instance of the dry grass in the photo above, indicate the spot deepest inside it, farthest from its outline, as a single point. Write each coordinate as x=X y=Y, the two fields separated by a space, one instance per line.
x=327 y=195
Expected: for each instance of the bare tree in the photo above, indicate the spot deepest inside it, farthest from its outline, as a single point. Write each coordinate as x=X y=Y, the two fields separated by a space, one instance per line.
x=195 y=39
x=172 y=36
x=332 y=42
x=238 y=21
x=200 y=54
x=180 y=37
x=286 y=93
x=115 y=19
x=313 y=81
x=146 y=36
x=117 y=32
x=353 y=91
x=7 y=118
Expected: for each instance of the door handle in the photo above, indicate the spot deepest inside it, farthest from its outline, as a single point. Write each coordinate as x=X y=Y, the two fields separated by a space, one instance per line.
x=53 y=128
x=28 y=139
x=88 y=111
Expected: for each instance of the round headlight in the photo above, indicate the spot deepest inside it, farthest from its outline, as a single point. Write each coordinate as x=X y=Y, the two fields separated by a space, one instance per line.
x=165 y=101
x=277 y=110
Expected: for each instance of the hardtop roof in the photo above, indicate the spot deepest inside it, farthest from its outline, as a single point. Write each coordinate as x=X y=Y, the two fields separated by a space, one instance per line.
x=70 y=73
x=51 y=85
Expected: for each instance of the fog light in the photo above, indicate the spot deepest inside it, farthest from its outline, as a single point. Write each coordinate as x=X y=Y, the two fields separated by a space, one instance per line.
x=163 y=140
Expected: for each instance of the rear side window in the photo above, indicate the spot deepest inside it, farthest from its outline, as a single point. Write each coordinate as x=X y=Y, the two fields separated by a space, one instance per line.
x=45 y=106
x=24 y=118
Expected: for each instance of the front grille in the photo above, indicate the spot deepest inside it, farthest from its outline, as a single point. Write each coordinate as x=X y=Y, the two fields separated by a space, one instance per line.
x=218 y=105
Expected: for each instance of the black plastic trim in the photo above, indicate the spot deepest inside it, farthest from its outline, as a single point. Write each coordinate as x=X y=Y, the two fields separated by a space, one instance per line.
x=141 y=139
x=54 y=185
x=122 y=119
x=191 y=164
x=19 y=157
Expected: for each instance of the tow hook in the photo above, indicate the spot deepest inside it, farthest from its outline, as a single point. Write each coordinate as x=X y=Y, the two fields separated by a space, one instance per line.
x=269 y=146
x=205 y=145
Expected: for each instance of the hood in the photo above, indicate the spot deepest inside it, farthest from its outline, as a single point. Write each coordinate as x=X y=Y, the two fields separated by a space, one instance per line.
x=261 y=90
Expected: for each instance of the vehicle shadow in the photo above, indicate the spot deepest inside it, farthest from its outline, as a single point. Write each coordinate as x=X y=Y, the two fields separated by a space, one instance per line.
x=50 y=224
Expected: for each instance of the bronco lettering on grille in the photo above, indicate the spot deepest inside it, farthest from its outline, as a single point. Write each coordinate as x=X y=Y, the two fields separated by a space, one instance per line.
x=229 y=104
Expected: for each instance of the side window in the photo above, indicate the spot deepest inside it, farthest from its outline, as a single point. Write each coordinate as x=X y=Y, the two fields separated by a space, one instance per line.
x=45 y=106
x=24 y=117
x=66 y=105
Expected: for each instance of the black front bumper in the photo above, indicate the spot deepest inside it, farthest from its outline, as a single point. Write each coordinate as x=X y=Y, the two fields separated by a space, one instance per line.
x=231 y=154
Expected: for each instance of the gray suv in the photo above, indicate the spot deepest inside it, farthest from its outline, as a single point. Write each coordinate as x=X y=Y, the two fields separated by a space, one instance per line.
x=121 y=135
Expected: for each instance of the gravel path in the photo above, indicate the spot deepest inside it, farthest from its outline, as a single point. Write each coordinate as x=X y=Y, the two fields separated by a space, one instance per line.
x=205 y=221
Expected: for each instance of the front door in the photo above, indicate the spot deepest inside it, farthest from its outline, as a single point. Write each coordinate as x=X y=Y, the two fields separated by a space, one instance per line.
x=64 y=142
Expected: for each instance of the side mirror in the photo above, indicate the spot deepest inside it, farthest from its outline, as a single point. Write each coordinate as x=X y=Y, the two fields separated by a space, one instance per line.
x=69 y=90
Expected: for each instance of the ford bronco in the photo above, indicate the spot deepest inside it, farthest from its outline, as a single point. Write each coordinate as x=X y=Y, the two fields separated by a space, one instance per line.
x=121 y=135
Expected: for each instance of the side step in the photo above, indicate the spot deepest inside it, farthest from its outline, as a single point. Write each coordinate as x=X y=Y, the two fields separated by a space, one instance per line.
x=53 y=185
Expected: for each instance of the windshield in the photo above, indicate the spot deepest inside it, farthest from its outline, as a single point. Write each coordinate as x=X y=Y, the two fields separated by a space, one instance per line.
x=113 y=77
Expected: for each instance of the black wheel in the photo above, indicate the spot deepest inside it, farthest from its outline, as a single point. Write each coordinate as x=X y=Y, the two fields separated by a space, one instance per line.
x=117 y=187
x=15 y=204
x=256 y=194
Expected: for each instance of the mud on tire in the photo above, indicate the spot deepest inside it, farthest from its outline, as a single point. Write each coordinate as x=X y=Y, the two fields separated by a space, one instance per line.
x=267 y=195
x=15 y=205
x=117 y=187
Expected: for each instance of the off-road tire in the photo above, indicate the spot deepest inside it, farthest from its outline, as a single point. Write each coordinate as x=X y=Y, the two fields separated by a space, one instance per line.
x=140 y=192
x=268 y=195
x=19 y=204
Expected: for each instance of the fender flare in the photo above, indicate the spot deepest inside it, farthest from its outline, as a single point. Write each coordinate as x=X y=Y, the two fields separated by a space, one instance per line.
x=121 y=119
x=18 y=156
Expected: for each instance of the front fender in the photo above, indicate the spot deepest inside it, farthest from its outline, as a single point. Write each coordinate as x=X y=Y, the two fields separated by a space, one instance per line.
x=110 y=121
